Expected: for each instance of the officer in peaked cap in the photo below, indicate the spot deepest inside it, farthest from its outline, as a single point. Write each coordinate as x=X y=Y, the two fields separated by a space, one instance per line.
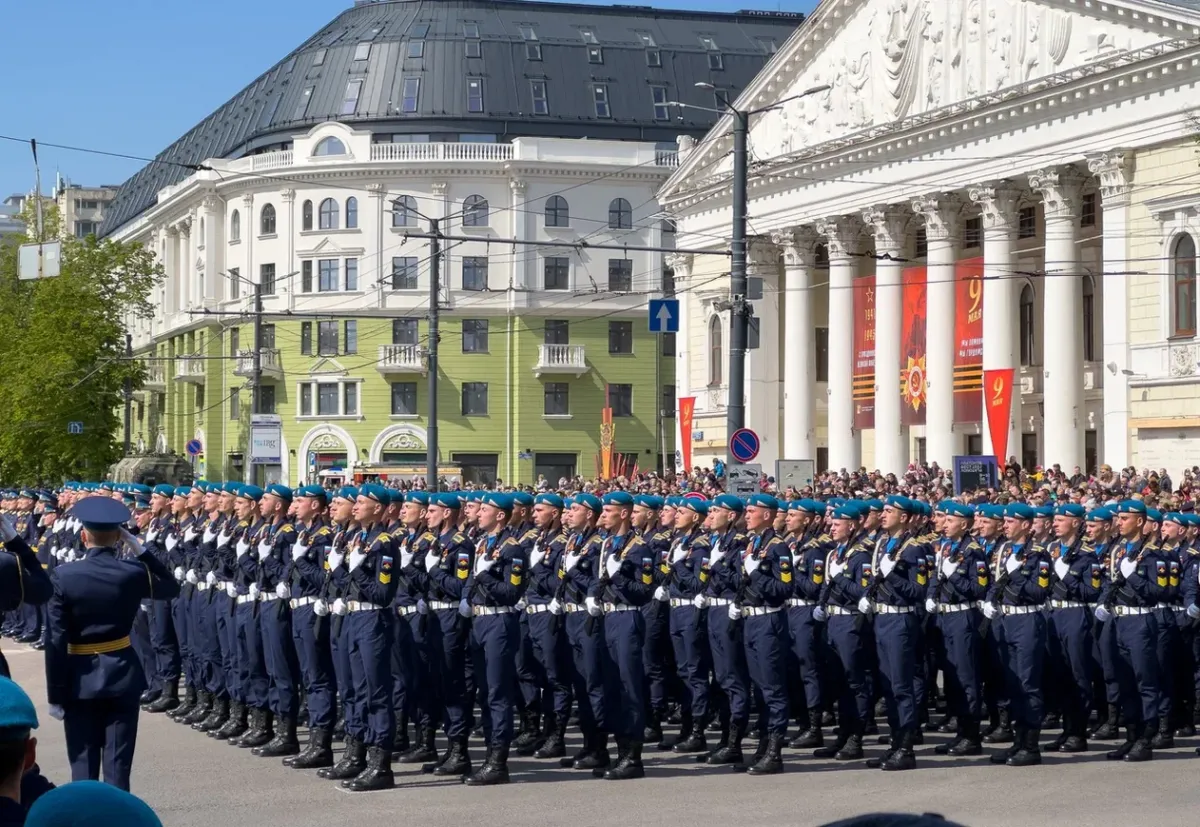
x=93 y=676
x=22 y=578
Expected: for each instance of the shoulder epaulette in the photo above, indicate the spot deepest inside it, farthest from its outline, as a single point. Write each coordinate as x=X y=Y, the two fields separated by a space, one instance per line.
x=286 y=527
x=383 y=537
x=323 y=530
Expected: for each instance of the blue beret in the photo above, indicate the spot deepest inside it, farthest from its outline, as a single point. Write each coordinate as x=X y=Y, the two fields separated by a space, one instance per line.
x=588 y=501
x=346 y=492
x=138 y=488
x=695 y=504
x=141 y=501
x=65 y=806
x=1131 y=507
x=647 y=501
x=446 y=500
x=1020 y=511
x=552 y=500
x=421 y=498
x=497 y=499
x=940 y=508
x=1175 y=517
x=813 y=506
x=106 y=486
x=1192 y=519
x=953 y=509
x=250 y=492
x=899 y=503
x=164 y=490
x=375 y=492
x=621 y=499
x=730 y=502
x=1154 y=515
x=523 y=499
x=182 y=491
x=17 y=713
x=314 y=492
x=280 y=491
x=101 y=513
x=1070 y=510
x=1043 y=511
x=762 y=501
x=847 y=511
x=1103 y=514
x=232 y=487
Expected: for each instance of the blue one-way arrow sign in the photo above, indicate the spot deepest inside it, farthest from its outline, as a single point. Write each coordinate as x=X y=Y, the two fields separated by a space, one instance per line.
x=664 y=315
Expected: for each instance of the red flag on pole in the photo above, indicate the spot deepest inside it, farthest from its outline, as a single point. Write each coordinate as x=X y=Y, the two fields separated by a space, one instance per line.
x=998 y=387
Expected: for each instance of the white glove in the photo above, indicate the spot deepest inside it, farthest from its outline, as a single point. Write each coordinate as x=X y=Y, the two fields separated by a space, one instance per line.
x=231 y=589
x=1012 y=563
x=178 y=573
x=593 y=607
x=864 y=605
x=887 y=565
x=1128 y=567
x=132 y=542
x=243 y=545
x=339 y=607
x=555 y=607
x=432 y=559
x=171 y=542
x=1061 y=569
x=612 y=565
x=264 y=550
x=223 y=539
x=320 y=608
x=521 y=604
x=717 y=555
x=298 y=550
x=484 y=563
x=72 y=556
x=283 y=591
x=678 y=552
x=835 y=568
x=422 y=606
x=537 y=555
x=949 y=567
x=190 y=534
x=151 y=535
x=464 y=608
x=1103 y=614
x=192 y=577
x=406 y=556
x=662 y=595
x=209 y=534
x=571 y=560
x=734 y=612
x=57 y=712
x=335 y=560
x=355 y=559
x=211 y=578
x=751 y=564
x=931 y=605
x=254 y=591
x=820 y=615
x=700 y=601
x=1193 y=611
x=989 y=611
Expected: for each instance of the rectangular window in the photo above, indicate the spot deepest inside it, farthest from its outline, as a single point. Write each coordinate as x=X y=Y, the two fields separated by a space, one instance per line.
x=620 y=338
x=768 y=45
x=235 y=405
x=235 y=340
x=327 y=338
x=1184 y=283
x=268 y=336
x=620 y=275
x=410 y=94
x=595 y=54
x=721 y=99
x=419 y=31
x=474 y=273
x=327 y=399
x=1087 y=212
x=306 y=400
x=658 y=94
x=474 y=48
x=527 y=33
x=822 y=354
x=306 y=338
x=557 y=399
x=404 y=272
x=533 y=51
x=715 y=61
x=327 y=275
x=266 y=399
x=319 y=58
x=306 y=283
x=556 y=273
x=266 y=278
x=973 y=232
x=668 y=401
x=556 y=332
x=1027 y=222
x=471 y=30
x=235 y=282
x=404 y=331
x=588 y=36
x=85 y=228
x=351 y=284
x=921 y=244
x=350 y=101
x=302 y=105
x=416 y=48
x=350 y=399
x=350 y=336
x=668 y=344
x=474 y=399
x=653 y=58
x=474 y=94
x=600 y=98
x=620 y=399
x=474 y=335
x=541 y=104
x=363 y=50
x=404 y=399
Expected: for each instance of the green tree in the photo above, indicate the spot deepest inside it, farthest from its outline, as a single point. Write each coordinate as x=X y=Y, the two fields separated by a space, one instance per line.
x=62 y=354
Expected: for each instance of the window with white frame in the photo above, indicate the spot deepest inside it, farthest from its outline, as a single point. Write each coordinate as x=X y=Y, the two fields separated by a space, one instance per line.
x=327 y=216
x=328 y=398
x=475 y=273
x=404 y=211
x=235 y=226
x=352 y=213
x=1183 y=286
x=327 y=275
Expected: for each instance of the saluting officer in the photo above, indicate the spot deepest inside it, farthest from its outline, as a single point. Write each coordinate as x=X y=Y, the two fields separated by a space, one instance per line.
x=22 y=578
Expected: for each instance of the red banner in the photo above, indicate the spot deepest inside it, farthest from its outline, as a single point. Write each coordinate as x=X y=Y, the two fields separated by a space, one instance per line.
x=863 y=382
x=968 y=334
x=912 y=348
x=999 y=385
x=687 y=409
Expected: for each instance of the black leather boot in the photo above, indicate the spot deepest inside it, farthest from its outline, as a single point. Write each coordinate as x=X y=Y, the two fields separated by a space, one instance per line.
x=1164 y=738
x=852 y=749
x=376 y=776
x=261 y=736
x=830 y=750
x=1003 y=731
x=771 y=762
x=168 y=700
x=1076 y=740
x=494 y=769
x=693 y=742
x=969 y=742
x=810 y=737
x=148 y=697
x=595 y=757
x=353 y=761
x=1003 y=756
x=1131 y=736
x=216 y=718
x=947 y=724
x=1107 y=729
x=190 y=698
x=731 y=753
x=423 y=749
x=554 y=746
x=457 y=761
x=1028 y=754
x=1142 y=749
x=235 y=726
x=251 y=724
x=1052 y=746
x=284 y=742
x=339 y=726
x=629 y=765
x=204 y=705
x=902 y=757
x=653 y=732
x=401 y=744
x=317 y=754
x=531 y=733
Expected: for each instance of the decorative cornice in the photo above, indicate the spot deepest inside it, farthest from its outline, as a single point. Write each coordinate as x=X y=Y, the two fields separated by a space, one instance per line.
x=842 y=233
x=1060 y=190
x=680 y=263
x=799 y=246
x=942 y=214
x=1115 y=171
x=889 y=224
x=997 y=204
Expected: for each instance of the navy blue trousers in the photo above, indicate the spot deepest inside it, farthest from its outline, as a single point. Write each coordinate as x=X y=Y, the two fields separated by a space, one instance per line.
x=1024 y=660
x=339 y=648
x=411 y=669
x=370 y=636
x=101 y=734
x=729 y=663
x=279 y=658
x=163 y=640
x=1070 y=646
x=448 y=655
x=765 y=638
x=624 y=636
x=848 y=638
x=494 y=642
x=311 y=641
x=253 y=684
x=588 y=671
x=805 y=638
x=962 y=670
x=1137 y=668
x=549 y=646
x=656 y=653
x=896 y=639
x=183 y=623
x=529 y=677
x=693 y=660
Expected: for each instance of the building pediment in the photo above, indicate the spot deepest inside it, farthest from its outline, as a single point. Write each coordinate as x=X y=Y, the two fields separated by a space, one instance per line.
x=891 y=61
x=327 y=368
x=329 y=247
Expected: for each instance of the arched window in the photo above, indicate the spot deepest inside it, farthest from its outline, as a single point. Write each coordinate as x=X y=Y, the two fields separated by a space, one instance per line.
x=327 y=215
x=1027 y=319
x=330 y=146
x=352 y=213
x=1183 y=287
x=235 y=226
x=558 y=214
x=404 y=211
x=1089 y=319
x=620 y=214
x=306 y=216
x=267 y=220
x=475 y=211
x=716 y=352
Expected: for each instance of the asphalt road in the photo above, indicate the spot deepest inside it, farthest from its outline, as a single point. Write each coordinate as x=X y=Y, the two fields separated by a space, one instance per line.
x=192 y=780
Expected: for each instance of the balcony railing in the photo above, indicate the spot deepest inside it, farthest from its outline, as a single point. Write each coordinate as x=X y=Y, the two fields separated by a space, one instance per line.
x=442 y=152
x=271 y=160
x=401 y=359
x=269 y=362
x=561 y=359
x=156 y=376
x=190 y=369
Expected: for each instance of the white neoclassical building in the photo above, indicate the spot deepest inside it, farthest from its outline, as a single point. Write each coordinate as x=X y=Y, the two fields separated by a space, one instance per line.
x=986 y=185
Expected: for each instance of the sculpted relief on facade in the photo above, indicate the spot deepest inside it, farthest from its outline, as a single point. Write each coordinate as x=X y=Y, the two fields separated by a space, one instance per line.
x=896 y=58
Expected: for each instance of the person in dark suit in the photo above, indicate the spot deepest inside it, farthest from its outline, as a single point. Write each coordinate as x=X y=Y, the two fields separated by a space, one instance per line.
x=21 y=783
x=23 y=580
x=94 y=678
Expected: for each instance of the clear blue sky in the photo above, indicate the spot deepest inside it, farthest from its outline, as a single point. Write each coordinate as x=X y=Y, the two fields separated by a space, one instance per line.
x=131 y=76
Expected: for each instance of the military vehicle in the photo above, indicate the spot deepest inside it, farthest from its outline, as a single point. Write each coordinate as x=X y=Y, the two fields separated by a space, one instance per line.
x=152 y=469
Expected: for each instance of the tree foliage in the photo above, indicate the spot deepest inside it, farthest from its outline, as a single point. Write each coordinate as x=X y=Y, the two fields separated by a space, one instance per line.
x=62 y=354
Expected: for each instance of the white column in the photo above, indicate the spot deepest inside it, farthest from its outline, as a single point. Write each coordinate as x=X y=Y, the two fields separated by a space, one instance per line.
x=891 y=447
x=845 y=446
x=286 y=218
x=799 y=345
x=250 y=228
x=1115 y=170
x=763 y=401
x=943 y=228
x=187 y=263
x=522 y=266
x=171 y=269
x=998 y=204
x=1062 y=318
